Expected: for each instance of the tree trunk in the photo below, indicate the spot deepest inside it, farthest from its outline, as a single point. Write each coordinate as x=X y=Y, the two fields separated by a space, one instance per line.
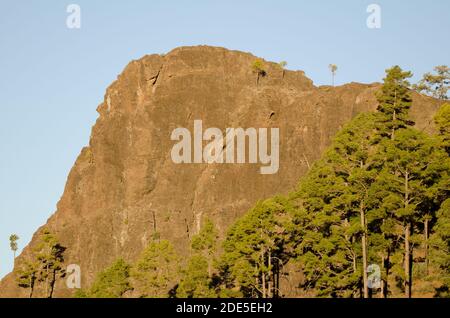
x=263 y=273
x=31 y=286
x=46 y=281
x=394 y=118
x=277 y=278
x=407 y=261
x=394 y=115
x=426 y=244
x=383 y=283
x=52 y=284
x=269 y=284
x=264 y=284
x=364 y=251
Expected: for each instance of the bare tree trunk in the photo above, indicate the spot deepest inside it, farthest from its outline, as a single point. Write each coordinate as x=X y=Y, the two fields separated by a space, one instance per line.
x=52 y=284
x=394 y=118
x=263 y=278
x=46 y=282
x=264 y=284
x=426 y=244
x=383 y=283
x=384 y=266
x=31 y=286
x=277 y=278
x=407 y=261
x=364 y=251
x=269 y=284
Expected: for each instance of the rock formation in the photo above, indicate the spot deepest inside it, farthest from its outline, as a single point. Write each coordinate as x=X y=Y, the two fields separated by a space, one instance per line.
x=124 y=186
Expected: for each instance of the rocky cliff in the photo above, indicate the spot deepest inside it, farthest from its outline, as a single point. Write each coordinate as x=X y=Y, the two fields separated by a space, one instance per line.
x=124 y=187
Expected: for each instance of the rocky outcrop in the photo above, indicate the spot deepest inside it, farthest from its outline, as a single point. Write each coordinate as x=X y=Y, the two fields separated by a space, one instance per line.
x=124 y=187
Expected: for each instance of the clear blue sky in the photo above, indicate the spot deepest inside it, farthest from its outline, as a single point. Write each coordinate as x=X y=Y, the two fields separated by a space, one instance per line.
x=52 y=78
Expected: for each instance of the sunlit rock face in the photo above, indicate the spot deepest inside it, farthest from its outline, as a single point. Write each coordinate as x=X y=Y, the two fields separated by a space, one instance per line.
x=125 y=187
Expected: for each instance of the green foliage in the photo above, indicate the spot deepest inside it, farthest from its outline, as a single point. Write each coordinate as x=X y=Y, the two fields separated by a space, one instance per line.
x=378 y=182
x=81 y=293
x=436 y=85
x=333 y=68
x=112 y=282
x=256 y=248
x=27 y=275
x=370 y=199
x=44 y=265
x=332 y=198
x=258 y=68
x=411 y=165
x=13 y=238
x=442 y=121
x=50 y=255
x=440 y=248
x=394 y=102
x=155 y=272
x=195 y=280
x=206 y=239
x=283 y=65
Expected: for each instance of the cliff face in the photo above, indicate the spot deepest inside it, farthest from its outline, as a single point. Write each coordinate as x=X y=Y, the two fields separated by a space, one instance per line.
x=125 y=187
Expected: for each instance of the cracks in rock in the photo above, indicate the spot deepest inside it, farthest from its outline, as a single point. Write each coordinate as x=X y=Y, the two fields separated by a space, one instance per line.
x=154 y=78
x=187 y=228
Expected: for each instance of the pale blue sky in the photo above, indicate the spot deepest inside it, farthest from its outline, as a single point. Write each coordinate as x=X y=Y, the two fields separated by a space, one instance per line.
x=52 y=78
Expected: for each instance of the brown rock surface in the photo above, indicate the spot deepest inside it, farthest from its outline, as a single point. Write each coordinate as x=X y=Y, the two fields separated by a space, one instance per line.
x=124 y=186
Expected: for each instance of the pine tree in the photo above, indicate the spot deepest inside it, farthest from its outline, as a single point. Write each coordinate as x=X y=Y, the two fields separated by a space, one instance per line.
x=283 y=65
x=333 y=68
x=256 y=249
x=411 y=167
x=437 y=85
x=394 y=102
x=360 y=200
x=440 y=248
x=440 y=239
x=112 y=282
x=205 y=243
x=258 y=68
x=442 y=121
x=50 y=256
x=334 y=201
x=197 y=278
x=156 y=270
x=13 y=238
x=27 y=275
x=350 y=157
